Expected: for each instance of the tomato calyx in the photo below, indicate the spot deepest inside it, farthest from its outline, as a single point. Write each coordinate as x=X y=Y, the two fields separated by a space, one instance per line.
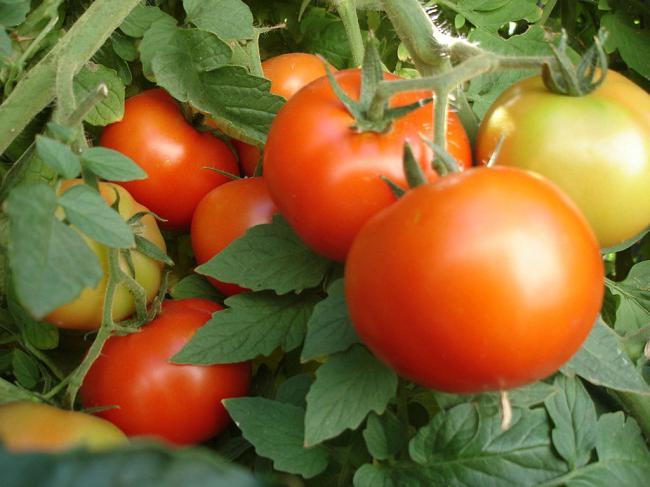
x=370 y=116
x=564 y=78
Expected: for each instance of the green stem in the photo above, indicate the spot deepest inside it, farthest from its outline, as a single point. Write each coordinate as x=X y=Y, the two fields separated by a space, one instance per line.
x=347 y=10
x=440 y=118
x=38 y=88
x=546 y=11
x=638 y=407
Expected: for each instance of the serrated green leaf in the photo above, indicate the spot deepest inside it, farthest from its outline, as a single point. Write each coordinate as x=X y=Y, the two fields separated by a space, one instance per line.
x=294 y=390
x=385 y=435
x=323 y=33
x=13 y=12
x=602 y=362
x=109 y=109
x=106 y=56
x=25 y=369
x=87 y=210
x=348 y=387
x=229 y=19
x=156 y=39
x=253 y=324
x=466 y=446
x=58 y=156
x=124 y=46
x=140 y=20
x=111 y=165
x=269 y=256
x=190 y=52
x=276 y=430
x=574 y=416
x=50 y=262
x=43 y=336
x=194 y=286
x=492 y=15
x=633 y=310
x=369 y=475
x=329 y=329
x=631 y=40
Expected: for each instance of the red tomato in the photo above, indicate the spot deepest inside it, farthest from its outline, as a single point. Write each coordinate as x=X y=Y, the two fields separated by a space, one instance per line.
x=325 y=176
x=249 y=156
x=175 y=156
x=485 y=280
x=180 y=403
x=224 y=214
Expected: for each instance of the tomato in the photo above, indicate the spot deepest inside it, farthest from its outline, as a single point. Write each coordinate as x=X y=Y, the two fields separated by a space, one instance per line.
x=325 y=176
x=484 y=280
x=85 y=312
x=595 y=147
x=224 y=214
x=175 y=156
x=179 y=403
x=28 y=427
x=288 y=73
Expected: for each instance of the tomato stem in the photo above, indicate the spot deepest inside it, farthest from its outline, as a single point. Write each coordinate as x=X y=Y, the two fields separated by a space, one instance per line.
x=506 y=411
x=347 y=10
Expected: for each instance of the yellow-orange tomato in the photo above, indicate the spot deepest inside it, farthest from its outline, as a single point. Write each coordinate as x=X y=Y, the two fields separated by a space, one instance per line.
x=34 y=427
x=85 y=312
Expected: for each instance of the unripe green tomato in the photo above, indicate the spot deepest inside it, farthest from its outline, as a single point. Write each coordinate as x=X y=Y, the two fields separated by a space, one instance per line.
x=85 y=312
x=595 y=147
x=34 y=427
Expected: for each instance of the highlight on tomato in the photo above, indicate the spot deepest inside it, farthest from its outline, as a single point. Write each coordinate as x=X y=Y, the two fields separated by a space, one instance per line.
x=85 y=312
x=326 y=176
x=177 y=158
x=485 y=280
x=223 y=215
x=36 y=427
x=154 y=397
x=596 y=147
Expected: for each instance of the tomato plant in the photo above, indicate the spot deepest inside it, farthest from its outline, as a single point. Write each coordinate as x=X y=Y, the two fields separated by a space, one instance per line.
x=180 y=403
x=176 y=157
x=495 y=281
x=85 y=312
x=29 y=427
x=329 y=184
x=596 y=147
x=225 y=214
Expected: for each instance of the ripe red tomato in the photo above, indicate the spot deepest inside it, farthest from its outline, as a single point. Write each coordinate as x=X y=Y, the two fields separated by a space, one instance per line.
x=224 y=214
x=85 y=312
x=175 y=156
x=595 y=147
x=325 y=176
x=288 y=73
x=484 y=280
x=34 y=427
x=180 y=403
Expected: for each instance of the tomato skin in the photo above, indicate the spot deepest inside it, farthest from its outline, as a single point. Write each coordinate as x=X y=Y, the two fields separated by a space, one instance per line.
x=85 y=312
x=485 y=280
x=325 y=177
x=35 y=427
x=179 y=403
x=249 y=156
x=223 y=215
x=292 y=71
x=175 y=156
x=595 y=147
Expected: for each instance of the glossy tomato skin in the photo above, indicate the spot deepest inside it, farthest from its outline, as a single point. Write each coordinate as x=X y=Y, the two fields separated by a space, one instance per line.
x=325 y=176
x=292 y=71
x=35 y=427
x=595 y=147
x=175 y=156
x=85 y=312
x=178 y=403
x=484 y=280
x=224 y=214
x=249 y=156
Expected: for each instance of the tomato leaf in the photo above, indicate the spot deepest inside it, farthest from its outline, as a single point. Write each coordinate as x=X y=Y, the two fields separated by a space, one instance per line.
x=88 y=211
x=329 y=329
x=633 y=310
x=524 y=397
x=50 y=262
x=141 y=19
x=5 y=44
x=138 y=464
x=253 y=324
x=124 y=47
x=276 y=430
x=229 y=19
x=151 y=250
x=25 y=369
x=385 y=435
x=10 y=392
x=58 y=156
x=492 y=15
x=574 y=416
x=370 y=475
x=629 y=38
x=294 y=390
x=348 y=387
x=194 y=286
x=13 y=12
x=269 y=256
x=109 y=109
x=466 y=446
x=156 y=39
x=323 y=33
x=111 y=165
x=602 y=362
